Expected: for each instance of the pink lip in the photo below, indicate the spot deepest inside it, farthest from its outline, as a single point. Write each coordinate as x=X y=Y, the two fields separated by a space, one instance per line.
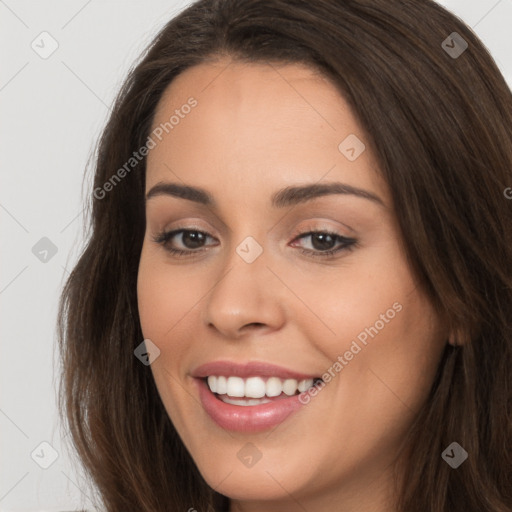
x=246 y=419
x=249 y=369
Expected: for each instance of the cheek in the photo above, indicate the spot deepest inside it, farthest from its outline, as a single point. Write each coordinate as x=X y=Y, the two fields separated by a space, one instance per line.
x=165 y=297
x=382 y=326
x=390 y=349
x=355 y=301
x=163 y=316
x=152 y=301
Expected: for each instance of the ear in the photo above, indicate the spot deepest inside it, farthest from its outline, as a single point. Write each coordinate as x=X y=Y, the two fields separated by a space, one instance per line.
x=453 y=340
x=457 y=337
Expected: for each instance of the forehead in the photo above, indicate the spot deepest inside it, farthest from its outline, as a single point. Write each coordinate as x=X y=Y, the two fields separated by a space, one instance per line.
x=225 y=80
x=264 y=124
x=258 y=93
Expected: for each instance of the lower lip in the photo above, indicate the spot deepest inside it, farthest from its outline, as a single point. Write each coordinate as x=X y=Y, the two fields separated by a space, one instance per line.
x=251 y=418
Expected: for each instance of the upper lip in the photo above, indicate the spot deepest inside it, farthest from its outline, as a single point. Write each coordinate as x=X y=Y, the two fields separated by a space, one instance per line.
x=248 y=369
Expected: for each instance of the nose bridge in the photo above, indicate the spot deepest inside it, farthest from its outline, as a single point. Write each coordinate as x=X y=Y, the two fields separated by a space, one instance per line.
x=246 y=292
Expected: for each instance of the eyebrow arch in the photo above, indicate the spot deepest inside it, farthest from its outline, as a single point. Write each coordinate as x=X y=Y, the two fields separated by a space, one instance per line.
x=287 y=196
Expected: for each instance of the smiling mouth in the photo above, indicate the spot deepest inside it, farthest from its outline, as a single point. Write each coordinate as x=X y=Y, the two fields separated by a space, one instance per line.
x=252 y=403
x=256 y=390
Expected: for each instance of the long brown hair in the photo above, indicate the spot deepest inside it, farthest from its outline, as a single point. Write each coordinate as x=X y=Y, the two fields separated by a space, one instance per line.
x=440 y=127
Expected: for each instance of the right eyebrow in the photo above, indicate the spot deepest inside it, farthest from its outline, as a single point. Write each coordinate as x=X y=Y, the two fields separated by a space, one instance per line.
x=195 y=194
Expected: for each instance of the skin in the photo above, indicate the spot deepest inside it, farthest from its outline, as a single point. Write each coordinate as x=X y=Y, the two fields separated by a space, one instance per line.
x=258 y=128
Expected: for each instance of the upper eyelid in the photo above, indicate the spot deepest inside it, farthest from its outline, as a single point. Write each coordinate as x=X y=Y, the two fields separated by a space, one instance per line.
x=218 y=225
x=303 y=233
x=312 y=225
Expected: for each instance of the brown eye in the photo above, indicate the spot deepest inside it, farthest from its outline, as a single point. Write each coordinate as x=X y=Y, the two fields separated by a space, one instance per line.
x=191 y=239
x=322 y=243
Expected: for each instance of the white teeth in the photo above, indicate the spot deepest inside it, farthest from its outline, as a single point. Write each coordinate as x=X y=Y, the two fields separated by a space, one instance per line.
x=212 y=383
x=255 y=387
x=222 y=385
x=235 y=386
x=244 y=403
x=290 y=386
x=301 y=386
x=274 y=387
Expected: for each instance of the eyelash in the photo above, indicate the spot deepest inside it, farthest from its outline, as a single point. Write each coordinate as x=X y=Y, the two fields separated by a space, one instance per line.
x=347 y=244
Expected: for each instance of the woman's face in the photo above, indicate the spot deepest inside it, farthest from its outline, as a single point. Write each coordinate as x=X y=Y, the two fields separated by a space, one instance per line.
x=259 y=297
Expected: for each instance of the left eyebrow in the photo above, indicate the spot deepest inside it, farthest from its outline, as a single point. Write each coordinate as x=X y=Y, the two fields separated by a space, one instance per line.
x=284 y=197
x=294 y=195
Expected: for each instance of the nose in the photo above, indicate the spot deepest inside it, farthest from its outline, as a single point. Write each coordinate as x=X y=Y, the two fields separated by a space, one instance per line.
x=246 y=297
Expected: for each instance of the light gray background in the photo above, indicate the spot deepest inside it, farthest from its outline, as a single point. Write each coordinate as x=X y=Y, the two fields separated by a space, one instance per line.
x=52 y=112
